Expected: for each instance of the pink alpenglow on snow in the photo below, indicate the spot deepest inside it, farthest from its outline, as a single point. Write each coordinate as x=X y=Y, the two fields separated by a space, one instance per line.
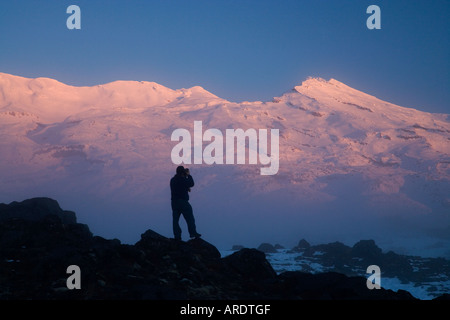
x=322 y=161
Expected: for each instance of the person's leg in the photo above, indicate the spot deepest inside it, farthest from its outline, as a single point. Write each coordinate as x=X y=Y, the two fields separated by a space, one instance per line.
x=190 y=220
x=176 y=212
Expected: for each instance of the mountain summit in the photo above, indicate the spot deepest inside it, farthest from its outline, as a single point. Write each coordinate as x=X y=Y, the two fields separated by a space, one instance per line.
x=351 y=165
x=52 y=100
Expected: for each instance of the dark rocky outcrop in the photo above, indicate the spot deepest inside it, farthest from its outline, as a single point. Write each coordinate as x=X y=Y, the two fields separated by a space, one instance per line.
x=38 y=241
x=333 y=286
x=237 y=247
x=352 y=261
x=35 y=209
x=267 y=248
x=301 y=246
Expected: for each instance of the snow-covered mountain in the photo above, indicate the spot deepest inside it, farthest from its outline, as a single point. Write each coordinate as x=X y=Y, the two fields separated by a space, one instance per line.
x=351 y=166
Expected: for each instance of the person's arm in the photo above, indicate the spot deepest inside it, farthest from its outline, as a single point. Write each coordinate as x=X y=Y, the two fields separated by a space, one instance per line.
x=189 y=181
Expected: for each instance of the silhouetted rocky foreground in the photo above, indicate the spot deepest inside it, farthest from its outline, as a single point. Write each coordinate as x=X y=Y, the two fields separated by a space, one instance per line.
x=39 y=240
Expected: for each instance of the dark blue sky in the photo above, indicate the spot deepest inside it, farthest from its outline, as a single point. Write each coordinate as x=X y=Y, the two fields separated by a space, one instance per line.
x=237 y=49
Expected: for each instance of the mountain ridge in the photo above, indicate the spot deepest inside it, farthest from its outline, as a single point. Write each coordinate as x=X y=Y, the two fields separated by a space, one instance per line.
x=310 y=82
x=350 y=164
x=130 y=94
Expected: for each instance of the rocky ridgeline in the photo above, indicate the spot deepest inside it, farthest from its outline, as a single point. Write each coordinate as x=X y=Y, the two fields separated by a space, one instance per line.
x=39 y=240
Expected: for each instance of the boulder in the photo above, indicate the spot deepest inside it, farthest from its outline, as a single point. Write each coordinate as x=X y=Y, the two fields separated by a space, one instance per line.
x=36 y=209
x=335 y=253
x=250 y=263
x=301 y=246
x=267 y=248
x=204 y=249
x=366 y=249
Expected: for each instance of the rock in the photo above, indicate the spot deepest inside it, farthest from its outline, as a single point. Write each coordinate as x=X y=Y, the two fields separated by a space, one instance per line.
x=445 y=296
x=392 y=264
x=336 y=253
x=301 y=246
x=204 y=249
x=154 y=241
x=333 y=286
x=237 y=247
x=35 y=209
x=267 y=248
x=366 y=249
x=251 y=264
x=39 y=240
x=395 y=265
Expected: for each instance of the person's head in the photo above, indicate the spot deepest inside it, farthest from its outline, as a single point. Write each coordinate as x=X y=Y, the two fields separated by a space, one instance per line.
x=181 y=170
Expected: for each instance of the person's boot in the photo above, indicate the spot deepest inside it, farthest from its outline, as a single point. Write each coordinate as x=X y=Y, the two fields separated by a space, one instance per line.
x=196 y=236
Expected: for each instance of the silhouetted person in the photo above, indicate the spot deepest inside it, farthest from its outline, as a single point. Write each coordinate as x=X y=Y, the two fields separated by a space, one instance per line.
x=180 y=185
